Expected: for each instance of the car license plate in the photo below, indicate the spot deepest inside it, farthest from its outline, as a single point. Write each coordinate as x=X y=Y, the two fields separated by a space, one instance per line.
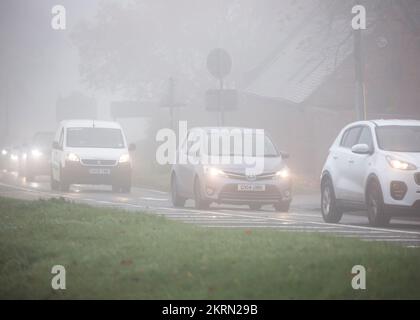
x=99 y=171
x=251 y=187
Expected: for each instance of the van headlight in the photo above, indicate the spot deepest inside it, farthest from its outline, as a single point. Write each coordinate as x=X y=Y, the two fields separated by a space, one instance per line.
x=400 y=164
x=283 y=173
x=124 y=158
x=73 y=157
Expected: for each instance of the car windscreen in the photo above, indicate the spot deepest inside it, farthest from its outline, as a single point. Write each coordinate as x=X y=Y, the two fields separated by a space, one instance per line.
x=95 y=138
x=399 y=138
x=233 y=149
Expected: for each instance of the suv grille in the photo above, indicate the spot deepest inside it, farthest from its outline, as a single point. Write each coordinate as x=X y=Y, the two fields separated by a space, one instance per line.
x=96 y=162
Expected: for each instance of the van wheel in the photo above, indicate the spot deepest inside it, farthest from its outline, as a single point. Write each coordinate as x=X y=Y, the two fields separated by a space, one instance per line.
x=375 y=205
x=177 y=200
x=200 y=203
x=330 y=212
x=63 y=185
x=53 y=183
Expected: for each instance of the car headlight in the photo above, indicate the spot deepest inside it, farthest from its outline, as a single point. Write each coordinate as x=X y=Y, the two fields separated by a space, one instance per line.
x=36 y=153
x=283 y=173
x=400 y=164
x=124 y=158
x=4 y=152
x=73 y=157
x=214 y=172
x=14 y=157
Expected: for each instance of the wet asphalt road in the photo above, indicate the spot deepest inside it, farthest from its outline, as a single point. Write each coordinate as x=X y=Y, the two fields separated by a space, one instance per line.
x=304 y=215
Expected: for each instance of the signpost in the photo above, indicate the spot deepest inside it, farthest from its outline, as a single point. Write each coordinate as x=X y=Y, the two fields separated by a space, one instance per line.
x=219 y=64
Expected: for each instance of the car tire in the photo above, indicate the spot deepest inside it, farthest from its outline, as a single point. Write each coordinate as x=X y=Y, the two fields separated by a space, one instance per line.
x=200 y=203
x=177 y=200
x=282 y=206
x=375 y=205
x=329 y=209
x=255 y=206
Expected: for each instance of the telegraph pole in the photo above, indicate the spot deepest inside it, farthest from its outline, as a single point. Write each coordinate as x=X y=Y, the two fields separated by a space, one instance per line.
x=360 y=104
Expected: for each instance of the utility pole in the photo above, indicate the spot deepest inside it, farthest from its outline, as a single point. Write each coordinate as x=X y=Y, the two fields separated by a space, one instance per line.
x=360 y=102
x=171 y=101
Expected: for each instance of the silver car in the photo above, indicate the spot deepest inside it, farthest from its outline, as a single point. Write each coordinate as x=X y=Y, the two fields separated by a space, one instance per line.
x=207 y=182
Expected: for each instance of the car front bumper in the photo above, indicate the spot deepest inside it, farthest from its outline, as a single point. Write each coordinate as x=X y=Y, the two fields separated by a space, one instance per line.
x=226 y=190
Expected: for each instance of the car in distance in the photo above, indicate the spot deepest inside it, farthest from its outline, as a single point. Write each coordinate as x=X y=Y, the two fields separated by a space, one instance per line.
x=374 y=166
x=230 y=183
x=35 y=158
x=90 y=152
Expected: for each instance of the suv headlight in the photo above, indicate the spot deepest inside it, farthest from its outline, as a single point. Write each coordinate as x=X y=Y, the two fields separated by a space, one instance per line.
x=124 y=158
x=400 y=164
x=214 y=172
x=73 y=157
x=283 y=173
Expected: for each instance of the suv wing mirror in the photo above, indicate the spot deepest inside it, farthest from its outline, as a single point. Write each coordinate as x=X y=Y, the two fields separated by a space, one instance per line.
x=361 y=149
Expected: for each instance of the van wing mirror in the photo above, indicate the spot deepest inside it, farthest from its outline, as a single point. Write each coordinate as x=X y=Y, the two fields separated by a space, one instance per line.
x=361 y=148
x=55 y=145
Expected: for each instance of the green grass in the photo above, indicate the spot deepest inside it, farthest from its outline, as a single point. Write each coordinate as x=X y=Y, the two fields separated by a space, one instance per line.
x=116 y=254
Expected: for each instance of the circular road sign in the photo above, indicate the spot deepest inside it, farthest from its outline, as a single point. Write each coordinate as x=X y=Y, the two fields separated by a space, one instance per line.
x=219 y=63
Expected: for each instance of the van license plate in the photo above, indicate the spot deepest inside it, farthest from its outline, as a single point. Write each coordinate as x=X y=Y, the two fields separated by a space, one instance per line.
x=251 y=187
x=99 y=171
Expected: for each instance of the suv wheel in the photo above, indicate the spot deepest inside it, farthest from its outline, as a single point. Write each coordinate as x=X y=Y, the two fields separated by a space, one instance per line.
x=330 y=212
x=63 y=185
x=200 y=203
x=375 y=205
x=282 y=206
x=177 y=200
x=54 y=183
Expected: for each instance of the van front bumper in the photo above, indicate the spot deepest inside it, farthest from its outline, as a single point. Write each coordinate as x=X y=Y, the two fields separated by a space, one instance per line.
x=76 y=173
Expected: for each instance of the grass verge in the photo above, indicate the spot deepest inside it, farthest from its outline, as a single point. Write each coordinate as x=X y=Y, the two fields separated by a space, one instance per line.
x=111 y=253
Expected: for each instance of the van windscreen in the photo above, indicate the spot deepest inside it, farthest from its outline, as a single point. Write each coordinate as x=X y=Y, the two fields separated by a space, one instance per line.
x=95 y=138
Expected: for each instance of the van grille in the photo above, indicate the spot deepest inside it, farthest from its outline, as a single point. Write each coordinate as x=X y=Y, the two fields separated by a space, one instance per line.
x=97 y=162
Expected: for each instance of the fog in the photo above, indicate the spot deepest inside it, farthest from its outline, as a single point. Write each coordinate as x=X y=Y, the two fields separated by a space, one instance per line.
x=292 y=73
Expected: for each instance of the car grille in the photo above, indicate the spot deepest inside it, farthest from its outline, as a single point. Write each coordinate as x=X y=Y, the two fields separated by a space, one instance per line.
x=230 y=192
x=417 y=178
x=243 y=176
x=97 y=162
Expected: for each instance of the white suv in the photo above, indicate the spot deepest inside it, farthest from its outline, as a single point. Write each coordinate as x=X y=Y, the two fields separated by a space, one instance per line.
x=90 y=152
x=374 y=166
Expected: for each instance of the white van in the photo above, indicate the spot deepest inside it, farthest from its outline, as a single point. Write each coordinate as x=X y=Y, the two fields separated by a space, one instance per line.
x=90 y=152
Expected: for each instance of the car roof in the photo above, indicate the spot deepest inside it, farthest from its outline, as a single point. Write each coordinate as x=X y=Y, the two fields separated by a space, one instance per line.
x=91 y=124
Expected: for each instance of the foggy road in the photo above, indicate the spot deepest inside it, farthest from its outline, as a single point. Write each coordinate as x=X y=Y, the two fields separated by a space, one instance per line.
x=304 y=215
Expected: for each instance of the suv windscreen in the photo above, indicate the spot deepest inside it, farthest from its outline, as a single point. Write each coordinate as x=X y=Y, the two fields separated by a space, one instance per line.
x=399 y=138
x=95 y=138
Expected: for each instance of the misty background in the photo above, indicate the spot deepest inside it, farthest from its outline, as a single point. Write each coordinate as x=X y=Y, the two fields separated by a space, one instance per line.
x=292 y=67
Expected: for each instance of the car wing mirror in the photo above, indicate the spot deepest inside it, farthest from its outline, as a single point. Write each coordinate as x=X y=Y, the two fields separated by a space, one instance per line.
x=284 y=155
x=361 y=149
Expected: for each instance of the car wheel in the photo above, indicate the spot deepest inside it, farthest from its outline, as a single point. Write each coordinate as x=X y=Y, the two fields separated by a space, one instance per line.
x=255 y=206
x=375 y=205
x=282 y=206
x=330 y=212
x=177 y=200
x=200 y=203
